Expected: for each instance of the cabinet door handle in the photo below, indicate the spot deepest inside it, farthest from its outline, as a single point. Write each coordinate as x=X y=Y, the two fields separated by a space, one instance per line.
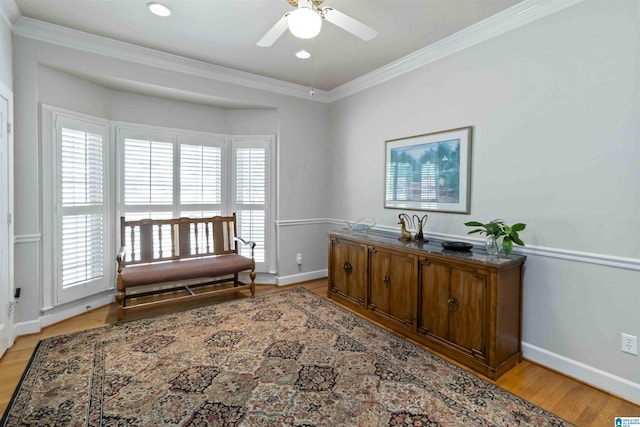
x=347 y=267
x=387 y=281
x=453 y=303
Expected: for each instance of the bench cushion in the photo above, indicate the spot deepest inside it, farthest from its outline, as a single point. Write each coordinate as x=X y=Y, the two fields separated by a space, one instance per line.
x=185 y=269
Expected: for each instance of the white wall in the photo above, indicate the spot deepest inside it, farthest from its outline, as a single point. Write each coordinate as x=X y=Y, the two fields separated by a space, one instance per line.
x=303 y=168
x=154 y=111
x=77 y=80
x=6 y=51
x=556 y=115
x=252 y=121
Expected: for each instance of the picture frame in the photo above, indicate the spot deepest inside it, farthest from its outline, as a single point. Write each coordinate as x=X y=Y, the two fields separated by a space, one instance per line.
x=429 y=172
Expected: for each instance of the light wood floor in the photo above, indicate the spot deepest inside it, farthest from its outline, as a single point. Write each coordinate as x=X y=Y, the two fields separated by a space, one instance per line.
x=572 y=400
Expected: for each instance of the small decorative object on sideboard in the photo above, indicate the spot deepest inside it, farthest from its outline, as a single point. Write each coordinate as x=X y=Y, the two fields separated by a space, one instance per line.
x=362 y=225
x=420 y=223
x=496 y=229
x=403 y=220
x=457 y=246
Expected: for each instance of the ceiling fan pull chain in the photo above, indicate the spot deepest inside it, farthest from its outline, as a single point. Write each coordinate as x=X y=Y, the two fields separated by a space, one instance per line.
x=312 y=90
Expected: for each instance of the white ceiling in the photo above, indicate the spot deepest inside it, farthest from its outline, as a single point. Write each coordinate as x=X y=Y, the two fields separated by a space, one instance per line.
x=225 y=32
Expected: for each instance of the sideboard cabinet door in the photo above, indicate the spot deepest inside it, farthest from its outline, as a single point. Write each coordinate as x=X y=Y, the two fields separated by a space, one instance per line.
x=453 y=307
x=468 y=315
x=392 y=285
x=348 y=270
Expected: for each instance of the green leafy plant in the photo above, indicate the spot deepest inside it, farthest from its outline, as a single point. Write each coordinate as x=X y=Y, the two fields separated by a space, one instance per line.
x=497 y=228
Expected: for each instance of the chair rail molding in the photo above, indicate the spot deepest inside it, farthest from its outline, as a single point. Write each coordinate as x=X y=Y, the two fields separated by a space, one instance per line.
x=27 y=238
x=300 y=222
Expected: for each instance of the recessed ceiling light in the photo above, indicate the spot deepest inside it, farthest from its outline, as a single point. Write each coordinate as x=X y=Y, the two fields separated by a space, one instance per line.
x=303 y=54
x=159 y=9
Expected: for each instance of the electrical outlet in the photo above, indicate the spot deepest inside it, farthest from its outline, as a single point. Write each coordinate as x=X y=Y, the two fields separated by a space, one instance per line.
x=299 y=259
x=629 y=344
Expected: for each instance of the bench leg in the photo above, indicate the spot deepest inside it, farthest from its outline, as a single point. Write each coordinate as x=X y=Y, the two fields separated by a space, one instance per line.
x=120 y=301
x=252 y=275
x=120 y=298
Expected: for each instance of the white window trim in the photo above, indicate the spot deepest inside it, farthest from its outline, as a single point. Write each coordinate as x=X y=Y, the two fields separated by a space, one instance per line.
x=52 y=295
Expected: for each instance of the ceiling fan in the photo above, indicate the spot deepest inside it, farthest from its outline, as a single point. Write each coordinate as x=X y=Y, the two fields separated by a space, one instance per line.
x=305 y=22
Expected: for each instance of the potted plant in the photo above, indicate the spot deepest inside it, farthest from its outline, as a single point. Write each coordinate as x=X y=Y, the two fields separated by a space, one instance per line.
x=496 y=229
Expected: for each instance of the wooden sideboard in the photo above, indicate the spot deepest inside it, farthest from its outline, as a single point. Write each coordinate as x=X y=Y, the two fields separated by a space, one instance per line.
x=465 y=305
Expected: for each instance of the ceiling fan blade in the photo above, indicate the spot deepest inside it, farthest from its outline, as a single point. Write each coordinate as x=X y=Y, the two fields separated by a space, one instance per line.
x=349 y=24
x=274 y=33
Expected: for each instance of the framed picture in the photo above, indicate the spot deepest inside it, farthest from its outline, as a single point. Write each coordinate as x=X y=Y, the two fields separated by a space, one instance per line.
x=430 y=172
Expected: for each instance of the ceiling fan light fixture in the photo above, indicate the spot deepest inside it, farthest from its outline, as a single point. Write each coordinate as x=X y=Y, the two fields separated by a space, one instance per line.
x=159 y=9
x=304 y=23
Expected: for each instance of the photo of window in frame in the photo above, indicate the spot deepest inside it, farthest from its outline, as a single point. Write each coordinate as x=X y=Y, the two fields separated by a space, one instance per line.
x=430 y=172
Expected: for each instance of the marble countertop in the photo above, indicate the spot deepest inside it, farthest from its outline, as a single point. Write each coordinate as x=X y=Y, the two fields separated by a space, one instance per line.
x=476 y=254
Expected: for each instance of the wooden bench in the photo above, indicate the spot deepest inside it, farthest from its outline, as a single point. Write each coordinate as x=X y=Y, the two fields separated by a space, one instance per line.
x=161 y=262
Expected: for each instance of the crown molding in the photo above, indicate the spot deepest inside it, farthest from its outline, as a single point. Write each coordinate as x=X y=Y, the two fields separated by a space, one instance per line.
x=521 y=14
x=9 y=11
x=67 y=37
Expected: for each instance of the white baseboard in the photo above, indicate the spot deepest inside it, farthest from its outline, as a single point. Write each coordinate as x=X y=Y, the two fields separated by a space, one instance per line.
x=266 y=278
x=302 y=277
x=58 y=315
x=26 y=328
x=261 y=278
x=602 y=380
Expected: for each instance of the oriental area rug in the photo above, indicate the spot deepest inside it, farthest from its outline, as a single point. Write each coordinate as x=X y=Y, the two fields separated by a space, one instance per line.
x=288 y=358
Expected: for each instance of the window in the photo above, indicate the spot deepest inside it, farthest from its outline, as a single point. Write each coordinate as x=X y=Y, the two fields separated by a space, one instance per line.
x=155 y=173
x=250 y=182
x=167 y=175
x=80 y=220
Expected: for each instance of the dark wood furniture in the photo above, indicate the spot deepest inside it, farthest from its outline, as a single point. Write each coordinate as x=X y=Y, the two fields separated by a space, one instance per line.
x=162 y=261
x=465 y=305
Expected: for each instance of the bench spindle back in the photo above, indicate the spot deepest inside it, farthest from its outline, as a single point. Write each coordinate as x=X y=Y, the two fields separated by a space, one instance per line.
x=151 y=240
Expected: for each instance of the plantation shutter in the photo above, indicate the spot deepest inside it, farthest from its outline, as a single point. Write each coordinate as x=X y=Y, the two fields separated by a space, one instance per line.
x=200 y=180
x=148 y=172
x=81 y=219
x=251 y=192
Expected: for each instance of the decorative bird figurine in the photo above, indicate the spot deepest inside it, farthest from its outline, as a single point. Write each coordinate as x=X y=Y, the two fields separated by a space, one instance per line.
x=421 y=222
x=404 y=219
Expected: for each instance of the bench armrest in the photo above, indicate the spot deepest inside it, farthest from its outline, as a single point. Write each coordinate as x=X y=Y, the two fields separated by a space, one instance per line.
x=246 y=242
x=120 y=258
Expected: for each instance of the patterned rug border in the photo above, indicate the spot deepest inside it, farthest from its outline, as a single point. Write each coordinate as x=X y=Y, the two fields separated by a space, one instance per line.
x=14 y=396
x=40 y=351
